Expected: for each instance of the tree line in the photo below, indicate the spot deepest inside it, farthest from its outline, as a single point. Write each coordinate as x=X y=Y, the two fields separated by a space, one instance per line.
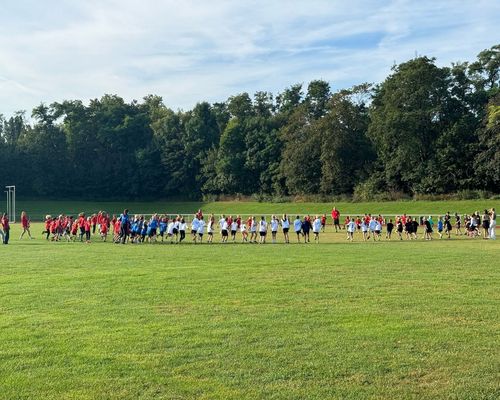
x=424 y=130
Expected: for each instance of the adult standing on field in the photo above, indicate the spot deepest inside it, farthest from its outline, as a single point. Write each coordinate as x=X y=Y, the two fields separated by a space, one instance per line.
x=336 y=219
x=493 y=224
x=124 y=220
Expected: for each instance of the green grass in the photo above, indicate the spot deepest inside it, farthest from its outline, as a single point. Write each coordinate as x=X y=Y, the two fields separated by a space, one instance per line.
x=38 y=209
x=395 y=320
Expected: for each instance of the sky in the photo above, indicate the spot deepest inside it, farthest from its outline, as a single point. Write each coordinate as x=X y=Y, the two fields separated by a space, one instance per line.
x=192 y=51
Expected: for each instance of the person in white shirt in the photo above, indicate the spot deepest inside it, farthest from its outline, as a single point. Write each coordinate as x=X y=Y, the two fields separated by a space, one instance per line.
x=244 y=233
x=316 y=228
x=262 y=230
x=194 y=227
x=201 y=229
x=224 y=228
x=234 y=229
x=285 y=224
x=378 y=229
x=297 y=226
x=182 y=229
x=372 y=226
x=364 y=230
x=274 y=227
x=351 y=227
x=175 y=231
x=253 y=231
x=170 y=231
x=493 y=224
x=210 y=228
x=221 y=221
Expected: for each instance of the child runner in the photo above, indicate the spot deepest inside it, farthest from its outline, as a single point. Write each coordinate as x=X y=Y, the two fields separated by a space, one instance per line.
x=458 y=224
x=399 y=227
x=210 y=228
x=306 y=227
x=163 y=227
x=170 y=231
x=234 y=229
x=316 y=228
x=48 y=220
x=262 y=230
x=323 y=222
x=373 y=227
x=390 y=227
x=428 y=229
x=87 y=226
x=182 y=229
x=201 y=229
x=224 y=232
x=104 y=230
x=440 y=227
x=297 y=227
x=274 y=227
x=351 y=227
x=25 y=224
x=364 y=229
x=195 y=224
x=244 y=233
x=253 y=230
x=285 y=224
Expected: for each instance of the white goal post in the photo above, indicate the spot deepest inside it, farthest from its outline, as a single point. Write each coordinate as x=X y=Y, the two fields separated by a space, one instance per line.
x=11 y=202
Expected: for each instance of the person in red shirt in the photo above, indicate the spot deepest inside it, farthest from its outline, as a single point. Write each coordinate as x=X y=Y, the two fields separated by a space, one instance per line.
x=81 y=225
x=116 y=228
x=48 y=220
x=336 y=219
x=5 y=228
x=104 y=231
x=74 y=230
x=53 y=229
x=93 y=221
x=87 y=226
x=25 y=224
x=323 y=223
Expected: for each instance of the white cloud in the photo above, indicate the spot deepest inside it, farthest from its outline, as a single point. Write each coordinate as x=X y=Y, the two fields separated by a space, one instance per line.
x=198 y=50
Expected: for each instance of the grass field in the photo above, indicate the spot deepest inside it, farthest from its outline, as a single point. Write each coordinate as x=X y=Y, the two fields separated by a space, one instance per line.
x=385 y=320
x=38 y=209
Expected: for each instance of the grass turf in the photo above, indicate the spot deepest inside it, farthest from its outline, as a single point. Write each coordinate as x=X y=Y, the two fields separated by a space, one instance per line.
x=395 y=320
x=38 y=209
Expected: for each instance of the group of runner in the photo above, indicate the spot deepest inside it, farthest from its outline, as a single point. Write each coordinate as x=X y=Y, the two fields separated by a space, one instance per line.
x=126 y=228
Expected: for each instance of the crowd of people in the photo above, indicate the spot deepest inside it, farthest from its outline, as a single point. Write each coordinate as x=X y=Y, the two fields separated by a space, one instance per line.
x=126 y=228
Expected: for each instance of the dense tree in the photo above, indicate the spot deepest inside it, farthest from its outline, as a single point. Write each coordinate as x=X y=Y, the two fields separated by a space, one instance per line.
x=346 y=152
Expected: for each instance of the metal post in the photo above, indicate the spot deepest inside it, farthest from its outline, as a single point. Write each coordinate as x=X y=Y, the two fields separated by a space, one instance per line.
x=11 y=202
x=8 y=202
x=14 y=204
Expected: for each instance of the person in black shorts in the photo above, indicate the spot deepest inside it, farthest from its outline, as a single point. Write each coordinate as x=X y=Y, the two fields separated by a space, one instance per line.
x=428 y=229
x=399 y=228
x=390 y=227
x=409 y=229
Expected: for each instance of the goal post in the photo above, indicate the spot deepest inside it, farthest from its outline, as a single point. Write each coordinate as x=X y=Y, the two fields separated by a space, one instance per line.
x=11 y=202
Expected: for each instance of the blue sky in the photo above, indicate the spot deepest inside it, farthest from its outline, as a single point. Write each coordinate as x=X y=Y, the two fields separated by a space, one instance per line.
x=189 y=51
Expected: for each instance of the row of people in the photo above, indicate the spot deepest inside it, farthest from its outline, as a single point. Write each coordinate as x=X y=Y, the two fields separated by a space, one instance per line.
x=140 y=229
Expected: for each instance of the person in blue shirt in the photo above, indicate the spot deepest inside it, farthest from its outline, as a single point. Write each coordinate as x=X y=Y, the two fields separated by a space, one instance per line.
x=163 y=227
x=153 y=226
x=124 y=225
x=144 y=231
x=440 y=227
